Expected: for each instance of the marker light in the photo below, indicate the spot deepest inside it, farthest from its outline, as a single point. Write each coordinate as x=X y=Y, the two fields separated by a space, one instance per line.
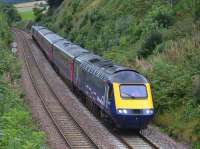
x=125 y=111
x=149 y=111
x=120 y=111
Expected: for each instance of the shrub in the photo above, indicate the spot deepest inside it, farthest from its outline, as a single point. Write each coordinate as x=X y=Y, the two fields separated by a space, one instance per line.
x=17 y=129
x=10 y=12
x=196 y=12
x=150 y=44
x=38 y=13
x=160 y=16
x=54 y=3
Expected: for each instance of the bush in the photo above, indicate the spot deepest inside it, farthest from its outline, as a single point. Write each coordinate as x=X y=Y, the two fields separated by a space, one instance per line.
x=54 y=3
x=196 y=12
x=38 y=13
x=5 y=36
x=163 y=15
x=17 y=129
x=160 y=16
x=150 y=44
x=10 y=12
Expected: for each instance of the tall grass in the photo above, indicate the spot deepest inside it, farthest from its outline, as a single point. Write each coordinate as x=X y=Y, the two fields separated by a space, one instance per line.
x=175 y=75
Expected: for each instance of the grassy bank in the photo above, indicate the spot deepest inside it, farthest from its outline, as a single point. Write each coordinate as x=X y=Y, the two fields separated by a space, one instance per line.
x=17 y=130
x=26 y=15
x=159 y=38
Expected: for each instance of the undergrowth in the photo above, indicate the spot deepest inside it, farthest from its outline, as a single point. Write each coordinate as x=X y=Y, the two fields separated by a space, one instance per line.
x=17 y=130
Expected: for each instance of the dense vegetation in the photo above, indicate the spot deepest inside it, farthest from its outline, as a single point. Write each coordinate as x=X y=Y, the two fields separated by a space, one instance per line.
x=161 y=38
x=10 y=13
x=17 y=130
x=54 y=3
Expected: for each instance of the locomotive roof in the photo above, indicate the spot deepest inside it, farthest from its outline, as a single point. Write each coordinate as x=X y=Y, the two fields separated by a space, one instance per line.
x=106 y=70
x=69 y=48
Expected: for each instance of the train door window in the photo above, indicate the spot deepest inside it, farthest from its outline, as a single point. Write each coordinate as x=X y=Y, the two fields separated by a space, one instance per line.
x=110 y=93
x=77 y=72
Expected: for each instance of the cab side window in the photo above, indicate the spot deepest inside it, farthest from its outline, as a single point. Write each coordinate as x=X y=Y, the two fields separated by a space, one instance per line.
x=110 y=93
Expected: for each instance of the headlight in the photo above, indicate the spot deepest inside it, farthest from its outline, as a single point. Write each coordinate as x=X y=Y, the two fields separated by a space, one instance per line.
x=148 y=111
x=122 y=111
x=125 y=111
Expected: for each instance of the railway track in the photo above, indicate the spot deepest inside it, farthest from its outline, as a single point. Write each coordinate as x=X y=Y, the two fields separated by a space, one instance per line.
x=68 y=128
x=136 y=140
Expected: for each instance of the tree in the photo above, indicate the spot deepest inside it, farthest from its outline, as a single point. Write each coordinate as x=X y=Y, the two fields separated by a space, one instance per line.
x=10 y=12
x=54 y=3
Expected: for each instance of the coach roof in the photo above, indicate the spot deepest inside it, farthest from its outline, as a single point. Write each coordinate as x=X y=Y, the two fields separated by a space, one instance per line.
x=53 y=38
x=38 y=27
x=70 y=49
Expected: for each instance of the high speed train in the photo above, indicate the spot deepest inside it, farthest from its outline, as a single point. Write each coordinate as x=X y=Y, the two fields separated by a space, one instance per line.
x=120 y=94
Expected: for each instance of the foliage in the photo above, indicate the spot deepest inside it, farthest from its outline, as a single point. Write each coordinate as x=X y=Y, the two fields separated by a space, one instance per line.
x=10 y=12
x=38 y=13
x=162 y=15
x=17 y=130
x=54 y=3
x=175 y=77
x=5 y=36
x=150 y=44
x=196 y=11
x=16 y=126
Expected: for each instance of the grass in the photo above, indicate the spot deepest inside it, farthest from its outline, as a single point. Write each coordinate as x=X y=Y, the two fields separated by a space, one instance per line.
x=27 y=15
x=25 y=10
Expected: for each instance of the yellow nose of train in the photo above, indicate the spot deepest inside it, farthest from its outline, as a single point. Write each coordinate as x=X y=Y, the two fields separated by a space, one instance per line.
x=133 y=105
x=142 y=101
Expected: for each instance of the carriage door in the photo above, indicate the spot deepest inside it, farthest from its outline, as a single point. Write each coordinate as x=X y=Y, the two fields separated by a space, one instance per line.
x=106 y=96
x=71 y=70
x=51 y=52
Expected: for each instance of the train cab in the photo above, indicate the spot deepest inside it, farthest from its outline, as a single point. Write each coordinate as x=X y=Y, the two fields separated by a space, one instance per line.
x=132 y=104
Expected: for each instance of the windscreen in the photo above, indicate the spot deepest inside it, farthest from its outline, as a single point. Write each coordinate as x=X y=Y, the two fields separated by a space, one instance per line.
x=133 y=91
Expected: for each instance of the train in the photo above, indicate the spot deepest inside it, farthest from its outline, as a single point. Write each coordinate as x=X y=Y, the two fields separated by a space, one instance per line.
x=120 y=94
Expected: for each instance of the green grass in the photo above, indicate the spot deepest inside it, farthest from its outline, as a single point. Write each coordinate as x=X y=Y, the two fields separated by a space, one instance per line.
x=27 y=15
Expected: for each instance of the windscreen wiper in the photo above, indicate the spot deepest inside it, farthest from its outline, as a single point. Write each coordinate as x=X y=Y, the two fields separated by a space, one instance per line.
x=131 y=96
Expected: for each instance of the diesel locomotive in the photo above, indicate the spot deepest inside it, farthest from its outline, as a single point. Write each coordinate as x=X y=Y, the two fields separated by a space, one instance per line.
x=122 y=94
